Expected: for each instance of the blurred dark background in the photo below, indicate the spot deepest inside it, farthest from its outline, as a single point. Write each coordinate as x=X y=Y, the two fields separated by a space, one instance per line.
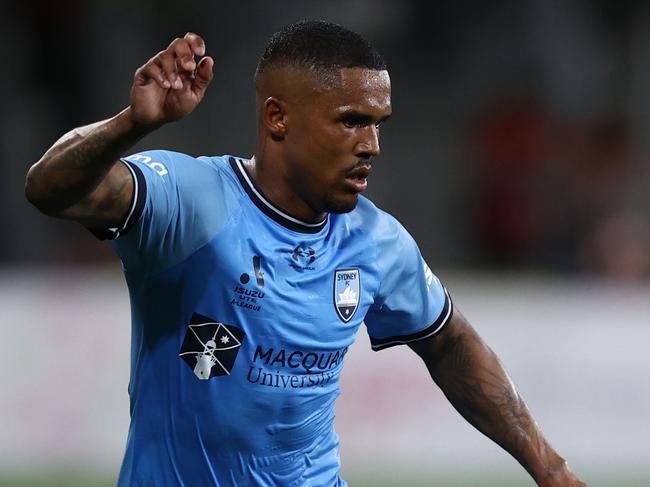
x=518 y=155
x=520 y=134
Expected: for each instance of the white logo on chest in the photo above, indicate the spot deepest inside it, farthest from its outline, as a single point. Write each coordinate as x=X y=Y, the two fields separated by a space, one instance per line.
x=347 y=289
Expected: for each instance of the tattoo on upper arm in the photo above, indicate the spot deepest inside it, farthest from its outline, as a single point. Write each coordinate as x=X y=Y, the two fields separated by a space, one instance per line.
x=108 y=203
x=116 y=192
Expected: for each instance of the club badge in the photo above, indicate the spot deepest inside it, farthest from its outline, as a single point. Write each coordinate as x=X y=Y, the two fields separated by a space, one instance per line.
x=347 y=288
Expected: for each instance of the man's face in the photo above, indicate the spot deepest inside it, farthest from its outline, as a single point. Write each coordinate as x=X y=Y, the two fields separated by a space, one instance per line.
x=333 y=134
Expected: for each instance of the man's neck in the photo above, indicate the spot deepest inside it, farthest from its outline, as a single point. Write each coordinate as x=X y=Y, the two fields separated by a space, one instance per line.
x=275 y=188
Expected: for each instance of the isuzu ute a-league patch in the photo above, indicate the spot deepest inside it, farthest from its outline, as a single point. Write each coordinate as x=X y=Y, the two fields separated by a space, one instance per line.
x=210 y=347
x=347 y=287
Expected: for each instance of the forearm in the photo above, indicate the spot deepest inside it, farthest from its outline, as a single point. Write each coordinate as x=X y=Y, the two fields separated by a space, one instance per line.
x=477 y=385
x=74 y=166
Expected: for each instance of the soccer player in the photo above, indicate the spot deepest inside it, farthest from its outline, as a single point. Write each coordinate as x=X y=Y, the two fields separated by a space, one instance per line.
x=249 y=278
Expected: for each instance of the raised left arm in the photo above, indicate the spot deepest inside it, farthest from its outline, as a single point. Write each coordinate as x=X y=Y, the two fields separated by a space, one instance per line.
x=475 y=382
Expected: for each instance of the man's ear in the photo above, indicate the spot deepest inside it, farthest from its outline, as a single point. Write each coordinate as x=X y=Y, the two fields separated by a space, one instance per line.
x=274 y=117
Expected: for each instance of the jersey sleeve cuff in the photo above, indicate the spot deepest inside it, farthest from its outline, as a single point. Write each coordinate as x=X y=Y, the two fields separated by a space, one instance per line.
x=430 y=331
x=135 y=211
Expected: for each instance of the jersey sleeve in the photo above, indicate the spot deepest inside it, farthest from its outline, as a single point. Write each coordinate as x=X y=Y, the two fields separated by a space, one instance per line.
x=411 y=303
x=174 y=210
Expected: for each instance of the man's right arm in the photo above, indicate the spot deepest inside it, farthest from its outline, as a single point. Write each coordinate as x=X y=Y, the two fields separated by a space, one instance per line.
x=79 y=178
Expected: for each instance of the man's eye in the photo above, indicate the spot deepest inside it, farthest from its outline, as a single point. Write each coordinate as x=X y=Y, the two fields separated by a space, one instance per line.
x=351 y=124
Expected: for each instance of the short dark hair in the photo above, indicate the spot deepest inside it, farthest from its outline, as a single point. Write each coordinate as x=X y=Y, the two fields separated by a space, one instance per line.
x=321 y=47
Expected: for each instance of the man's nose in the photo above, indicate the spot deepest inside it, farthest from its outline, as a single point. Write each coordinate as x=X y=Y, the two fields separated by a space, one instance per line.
x=369 y=145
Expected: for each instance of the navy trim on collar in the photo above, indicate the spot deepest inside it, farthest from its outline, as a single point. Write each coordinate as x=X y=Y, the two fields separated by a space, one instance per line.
x=268 y=208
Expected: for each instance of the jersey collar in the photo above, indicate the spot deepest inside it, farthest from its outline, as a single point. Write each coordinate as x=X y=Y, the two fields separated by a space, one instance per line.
x=267 y=207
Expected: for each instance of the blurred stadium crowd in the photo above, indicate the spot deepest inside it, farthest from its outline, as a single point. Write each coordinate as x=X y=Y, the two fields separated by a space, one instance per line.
x=520 y=135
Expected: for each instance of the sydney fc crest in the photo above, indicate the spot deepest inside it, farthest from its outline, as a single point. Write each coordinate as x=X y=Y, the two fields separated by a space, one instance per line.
x=347 y=288
x=210 y=347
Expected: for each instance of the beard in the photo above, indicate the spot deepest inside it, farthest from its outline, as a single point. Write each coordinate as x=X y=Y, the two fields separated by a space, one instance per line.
x=341 y=204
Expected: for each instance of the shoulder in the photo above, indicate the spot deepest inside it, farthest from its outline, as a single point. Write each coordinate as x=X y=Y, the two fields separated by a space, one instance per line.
x=223 y=166
x=160 y=158
x=181 y=201
x=177 y=166
x=380 y=225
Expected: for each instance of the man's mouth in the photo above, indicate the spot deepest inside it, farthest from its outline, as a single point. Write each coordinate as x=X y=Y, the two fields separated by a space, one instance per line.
x=357 y=178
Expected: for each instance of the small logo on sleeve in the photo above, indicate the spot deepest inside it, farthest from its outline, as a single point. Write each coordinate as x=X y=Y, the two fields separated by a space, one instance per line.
x=347 y=288
x=159 y=167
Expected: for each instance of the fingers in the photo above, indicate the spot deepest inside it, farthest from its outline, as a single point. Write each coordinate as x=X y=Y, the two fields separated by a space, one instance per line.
x=167 y=64
x=182 y=52
x=203 y=75
x=196 y=42
x=171 y=66
x=152 y=70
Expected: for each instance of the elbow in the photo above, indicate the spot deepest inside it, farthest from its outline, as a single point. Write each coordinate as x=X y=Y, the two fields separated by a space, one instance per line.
x=35 y=191
x=31 y=187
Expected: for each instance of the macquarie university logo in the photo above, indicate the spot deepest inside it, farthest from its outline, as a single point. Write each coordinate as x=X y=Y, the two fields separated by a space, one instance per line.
x=210 y=347
x=347 y=288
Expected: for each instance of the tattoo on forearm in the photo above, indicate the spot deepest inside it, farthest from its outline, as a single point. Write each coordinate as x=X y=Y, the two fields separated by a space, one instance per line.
x=484 y=394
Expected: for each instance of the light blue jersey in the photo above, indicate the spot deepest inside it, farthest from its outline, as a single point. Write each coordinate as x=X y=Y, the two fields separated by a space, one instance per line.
x=242 y=316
